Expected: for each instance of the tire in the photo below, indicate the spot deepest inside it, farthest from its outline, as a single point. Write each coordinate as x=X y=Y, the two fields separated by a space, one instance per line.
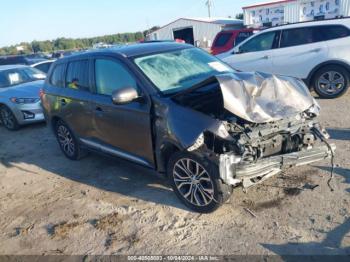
x=67 y=141
x=8 y=119
x=196 y=182
x=331 y=81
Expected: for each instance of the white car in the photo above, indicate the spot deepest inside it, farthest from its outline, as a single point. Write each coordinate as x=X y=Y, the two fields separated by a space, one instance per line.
x=317 y=52
x=43 y=66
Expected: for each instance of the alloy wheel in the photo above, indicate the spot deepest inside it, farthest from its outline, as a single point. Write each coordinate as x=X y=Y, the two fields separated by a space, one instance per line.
x=66 y=140
x=193 y=182
x=7 y=118
x=331 y=82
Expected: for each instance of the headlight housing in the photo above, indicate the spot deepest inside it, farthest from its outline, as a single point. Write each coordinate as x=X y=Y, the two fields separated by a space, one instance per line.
x=18 y=100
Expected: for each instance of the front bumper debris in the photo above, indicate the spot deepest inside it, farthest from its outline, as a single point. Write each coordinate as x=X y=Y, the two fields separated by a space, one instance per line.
x=233 y=172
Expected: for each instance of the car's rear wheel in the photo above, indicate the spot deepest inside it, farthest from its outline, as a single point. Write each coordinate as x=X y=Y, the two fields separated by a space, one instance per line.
x=196 y=182
x=67 y=141
x=331 y=81
x=8 y=119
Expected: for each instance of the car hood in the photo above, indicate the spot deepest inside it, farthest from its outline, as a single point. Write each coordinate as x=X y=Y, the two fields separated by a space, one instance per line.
x=261 y=98
x=223 y=55
x=30 y=89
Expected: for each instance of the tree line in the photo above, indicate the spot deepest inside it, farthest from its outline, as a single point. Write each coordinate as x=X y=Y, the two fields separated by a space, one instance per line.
x=73 y=44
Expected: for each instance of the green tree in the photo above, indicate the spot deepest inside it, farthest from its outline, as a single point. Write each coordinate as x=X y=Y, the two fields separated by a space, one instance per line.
x=79 y=43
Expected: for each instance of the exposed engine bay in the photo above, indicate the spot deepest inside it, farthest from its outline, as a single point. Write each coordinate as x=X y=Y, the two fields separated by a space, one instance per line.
x=272 y=133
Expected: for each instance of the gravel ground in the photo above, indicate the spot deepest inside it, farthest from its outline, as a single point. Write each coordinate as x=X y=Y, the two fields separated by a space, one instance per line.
x=99 y=205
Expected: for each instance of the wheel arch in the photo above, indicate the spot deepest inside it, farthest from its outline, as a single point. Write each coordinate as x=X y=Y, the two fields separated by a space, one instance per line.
x=53 y=121
x=311 y=75
x=166 y=150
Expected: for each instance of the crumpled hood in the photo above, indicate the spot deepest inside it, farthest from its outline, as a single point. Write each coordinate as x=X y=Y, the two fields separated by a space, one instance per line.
x=261 y=98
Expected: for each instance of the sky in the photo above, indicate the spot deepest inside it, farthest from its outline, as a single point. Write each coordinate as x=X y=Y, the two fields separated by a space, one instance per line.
x=28 y=20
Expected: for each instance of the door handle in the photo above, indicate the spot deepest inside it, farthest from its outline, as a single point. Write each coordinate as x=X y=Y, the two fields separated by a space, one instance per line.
x=266 y=57
x=63 y=102
x=316 y=50
x=99 y=111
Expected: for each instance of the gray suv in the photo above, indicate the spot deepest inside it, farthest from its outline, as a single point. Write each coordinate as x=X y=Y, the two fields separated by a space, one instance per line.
x=177 y=109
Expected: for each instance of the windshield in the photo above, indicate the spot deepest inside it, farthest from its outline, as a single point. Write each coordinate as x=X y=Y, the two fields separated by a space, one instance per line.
x=175 y=71
x=20 y=75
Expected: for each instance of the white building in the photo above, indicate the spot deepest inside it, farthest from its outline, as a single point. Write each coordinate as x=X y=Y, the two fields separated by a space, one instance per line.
x=197 y=31
x=279 y=12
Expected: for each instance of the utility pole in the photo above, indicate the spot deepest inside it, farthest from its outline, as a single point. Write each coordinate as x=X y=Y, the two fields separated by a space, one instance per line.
x=209 y=5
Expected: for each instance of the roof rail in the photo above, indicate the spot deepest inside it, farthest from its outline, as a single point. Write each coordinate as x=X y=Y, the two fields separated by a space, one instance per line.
x=304 y=22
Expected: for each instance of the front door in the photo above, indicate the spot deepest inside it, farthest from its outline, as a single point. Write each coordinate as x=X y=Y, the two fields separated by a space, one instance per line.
x=123 y=130
x=255 y=54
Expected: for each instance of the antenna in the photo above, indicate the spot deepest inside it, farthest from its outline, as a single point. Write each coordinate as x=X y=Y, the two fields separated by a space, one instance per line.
x=209 y=5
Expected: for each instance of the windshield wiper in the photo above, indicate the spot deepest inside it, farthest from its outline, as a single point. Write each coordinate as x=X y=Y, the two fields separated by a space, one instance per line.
x=195 y=87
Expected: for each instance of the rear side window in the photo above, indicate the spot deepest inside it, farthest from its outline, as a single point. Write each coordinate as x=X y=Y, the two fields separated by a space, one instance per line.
x=330 y=32
x=300 y=36
x=260 y=42
x=13 y=61
x=222 y=39
x=57 y=77
x=78 y=75
x=112 y=75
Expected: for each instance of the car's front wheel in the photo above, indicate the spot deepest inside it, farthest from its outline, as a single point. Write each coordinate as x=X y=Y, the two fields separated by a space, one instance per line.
x=67 y=141
x=8 y=119
x=331 y=81
x=196 y=182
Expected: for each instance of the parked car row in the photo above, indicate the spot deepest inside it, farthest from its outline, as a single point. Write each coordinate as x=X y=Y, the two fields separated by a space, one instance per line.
x=36 y=60
x=19 y=60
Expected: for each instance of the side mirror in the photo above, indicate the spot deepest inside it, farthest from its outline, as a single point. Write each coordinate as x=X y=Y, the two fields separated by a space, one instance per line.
x=124 y=95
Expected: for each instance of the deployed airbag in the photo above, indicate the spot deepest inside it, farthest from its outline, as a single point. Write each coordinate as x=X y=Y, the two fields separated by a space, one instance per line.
x=261 y=98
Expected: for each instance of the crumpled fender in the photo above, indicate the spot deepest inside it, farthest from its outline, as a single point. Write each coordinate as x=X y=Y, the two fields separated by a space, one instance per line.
x=184 y=125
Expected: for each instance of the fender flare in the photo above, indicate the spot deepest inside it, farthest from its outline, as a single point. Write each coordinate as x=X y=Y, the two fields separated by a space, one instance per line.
x=341 y=63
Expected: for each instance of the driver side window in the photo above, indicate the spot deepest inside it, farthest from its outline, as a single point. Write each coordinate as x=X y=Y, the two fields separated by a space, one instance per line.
x=111 y=75
x=261 y=42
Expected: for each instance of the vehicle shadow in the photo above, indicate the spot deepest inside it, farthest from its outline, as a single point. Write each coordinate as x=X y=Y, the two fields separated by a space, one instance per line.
x=331 y=245
x=339 y=134
x=344 y=172
x=105 y=173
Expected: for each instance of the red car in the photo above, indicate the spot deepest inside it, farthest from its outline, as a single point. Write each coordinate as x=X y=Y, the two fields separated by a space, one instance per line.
x=227 y=39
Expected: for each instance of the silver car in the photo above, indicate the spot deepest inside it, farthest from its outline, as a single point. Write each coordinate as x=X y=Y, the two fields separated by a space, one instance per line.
x=19 y=96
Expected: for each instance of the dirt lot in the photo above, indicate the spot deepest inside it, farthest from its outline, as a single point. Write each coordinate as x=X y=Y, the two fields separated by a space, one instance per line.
x=50 y=205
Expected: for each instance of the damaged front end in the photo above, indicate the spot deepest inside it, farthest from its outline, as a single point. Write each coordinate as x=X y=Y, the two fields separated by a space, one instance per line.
x=264 y=125
x=268 y=149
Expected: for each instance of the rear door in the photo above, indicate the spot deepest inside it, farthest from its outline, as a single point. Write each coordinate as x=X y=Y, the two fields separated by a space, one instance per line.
x=123 y=130
x=75 y=99
x=301 y=50
x=255 y=54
